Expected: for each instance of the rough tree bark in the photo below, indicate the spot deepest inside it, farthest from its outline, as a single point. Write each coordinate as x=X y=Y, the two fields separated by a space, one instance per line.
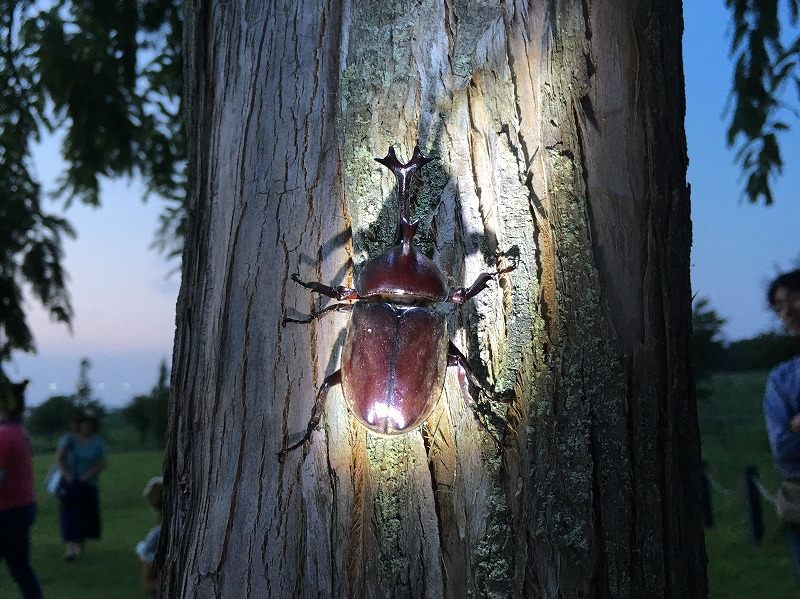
x=557 y=133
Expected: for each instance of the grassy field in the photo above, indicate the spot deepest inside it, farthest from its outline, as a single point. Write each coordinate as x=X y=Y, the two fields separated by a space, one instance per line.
x=109 y=567
x=732 y=426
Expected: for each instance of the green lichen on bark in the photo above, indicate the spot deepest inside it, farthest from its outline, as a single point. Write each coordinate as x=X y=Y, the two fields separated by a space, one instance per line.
x=494 y=561
x=581 y=479
x=375 y=218
x=426 y=196
x=362 y=185
x=391 y=462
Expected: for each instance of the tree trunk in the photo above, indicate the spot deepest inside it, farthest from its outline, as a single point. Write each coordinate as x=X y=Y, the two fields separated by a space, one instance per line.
x=556 y=130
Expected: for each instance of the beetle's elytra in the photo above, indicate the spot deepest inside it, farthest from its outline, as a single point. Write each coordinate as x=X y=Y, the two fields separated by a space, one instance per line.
x=396 y=349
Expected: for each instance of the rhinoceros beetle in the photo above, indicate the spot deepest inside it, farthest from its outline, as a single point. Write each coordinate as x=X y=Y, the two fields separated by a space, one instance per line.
x=396 y=348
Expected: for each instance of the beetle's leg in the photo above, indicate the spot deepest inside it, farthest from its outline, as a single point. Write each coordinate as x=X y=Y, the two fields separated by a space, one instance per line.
x=340 y=293
x=465 y=376
x=316 y=411
x=318 y=314
x=459 y=296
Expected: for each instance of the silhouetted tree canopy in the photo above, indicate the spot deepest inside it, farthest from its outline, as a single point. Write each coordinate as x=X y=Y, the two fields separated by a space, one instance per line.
x=762 y=352
x=712 y=353
x=708 y=346
x=30 y=250
x=108 y=76
x=54 y=416
x=765 y=47
x=148 y=413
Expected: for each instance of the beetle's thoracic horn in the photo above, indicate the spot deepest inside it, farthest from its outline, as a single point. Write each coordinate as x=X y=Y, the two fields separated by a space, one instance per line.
x=404 y=174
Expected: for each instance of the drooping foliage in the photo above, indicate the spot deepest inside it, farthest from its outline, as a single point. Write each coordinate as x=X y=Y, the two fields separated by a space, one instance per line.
x=108 y=75
x=765 y=47
x=112 y=73
x=30 y=251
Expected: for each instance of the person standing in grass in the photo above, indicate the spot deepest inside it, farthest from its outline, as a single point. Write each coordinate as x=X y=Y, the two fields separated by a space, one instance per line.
x=782 y=399
x=17 y=496
x=81 y=457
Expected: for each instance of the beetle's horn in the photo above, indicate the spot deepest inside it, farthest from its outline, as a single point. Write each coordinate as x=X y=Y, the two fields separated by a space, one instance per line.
x=404 y=174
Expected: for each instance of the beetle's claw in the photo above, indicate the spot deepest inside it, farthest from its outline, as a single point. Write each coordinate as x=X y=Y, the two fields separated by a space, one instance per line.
x=490 y=421
x=506 y=396
x=497 y=443
x=286 y=319
x=282 y=453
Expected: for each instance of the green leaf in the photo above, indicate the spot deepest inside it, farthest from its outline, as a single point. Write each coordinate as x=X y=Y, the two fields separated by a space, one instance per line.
x=762 y=67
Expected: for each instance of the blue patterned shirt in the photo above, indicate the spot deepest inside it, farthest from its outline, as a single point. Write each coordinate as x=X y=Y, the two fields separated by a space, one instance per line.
x=781 y=403
x=80 y=458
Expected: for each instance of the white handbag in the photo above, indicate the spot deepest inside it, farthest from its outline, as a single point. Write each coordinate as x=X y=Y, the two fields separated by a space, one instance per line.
x=53 y=480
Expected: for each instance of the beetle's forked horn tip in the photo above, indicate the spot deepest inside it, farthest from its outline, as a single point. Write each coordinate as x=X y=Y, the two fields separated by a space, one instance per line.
x=390 y=161
x=419 y=159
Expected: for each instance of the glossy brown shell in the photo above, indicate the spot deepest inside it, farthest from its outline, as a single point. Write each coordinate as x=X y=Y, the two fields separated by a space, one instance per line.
x=393 y=365
x=402 y=270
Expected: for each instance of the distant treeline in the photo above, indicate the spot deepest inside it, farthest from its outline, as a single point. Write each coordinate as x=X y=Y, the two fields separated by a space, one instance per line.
x=141 y=424
x=711 y=353
x=762 y=352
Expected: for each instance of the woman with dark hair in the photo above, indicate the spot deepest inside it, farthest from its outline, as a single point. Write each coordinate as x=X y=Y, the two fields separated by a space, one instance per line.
x=17 y=498
x=784 y=297
x=81 y=457
x=782 y=399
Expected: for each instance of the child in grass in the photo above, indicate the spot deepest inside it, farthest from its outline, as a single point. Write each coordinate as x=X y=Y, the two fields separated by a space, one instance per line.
x=146 y=549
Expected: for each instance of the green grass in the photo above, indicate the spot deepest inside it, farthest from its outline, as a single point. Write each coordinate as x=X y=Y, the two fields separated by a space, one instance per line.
x=732 y=426
x=109 y=567
x=734 y=437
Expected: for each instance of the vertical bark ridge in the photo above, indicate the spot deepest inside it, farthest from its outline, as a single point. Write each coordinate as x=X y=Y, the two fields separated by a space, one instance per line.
x=546 y=124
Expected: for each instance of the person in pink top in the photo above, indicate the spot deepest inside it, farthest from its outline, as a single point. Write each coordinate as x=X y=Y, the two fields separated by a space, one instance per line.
x=17 y=497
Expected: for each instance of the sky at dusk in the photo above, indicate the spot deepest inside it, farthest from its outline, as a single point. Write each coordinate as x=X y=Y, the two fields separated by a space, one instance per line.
x=124 y=300
x=738 y=247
